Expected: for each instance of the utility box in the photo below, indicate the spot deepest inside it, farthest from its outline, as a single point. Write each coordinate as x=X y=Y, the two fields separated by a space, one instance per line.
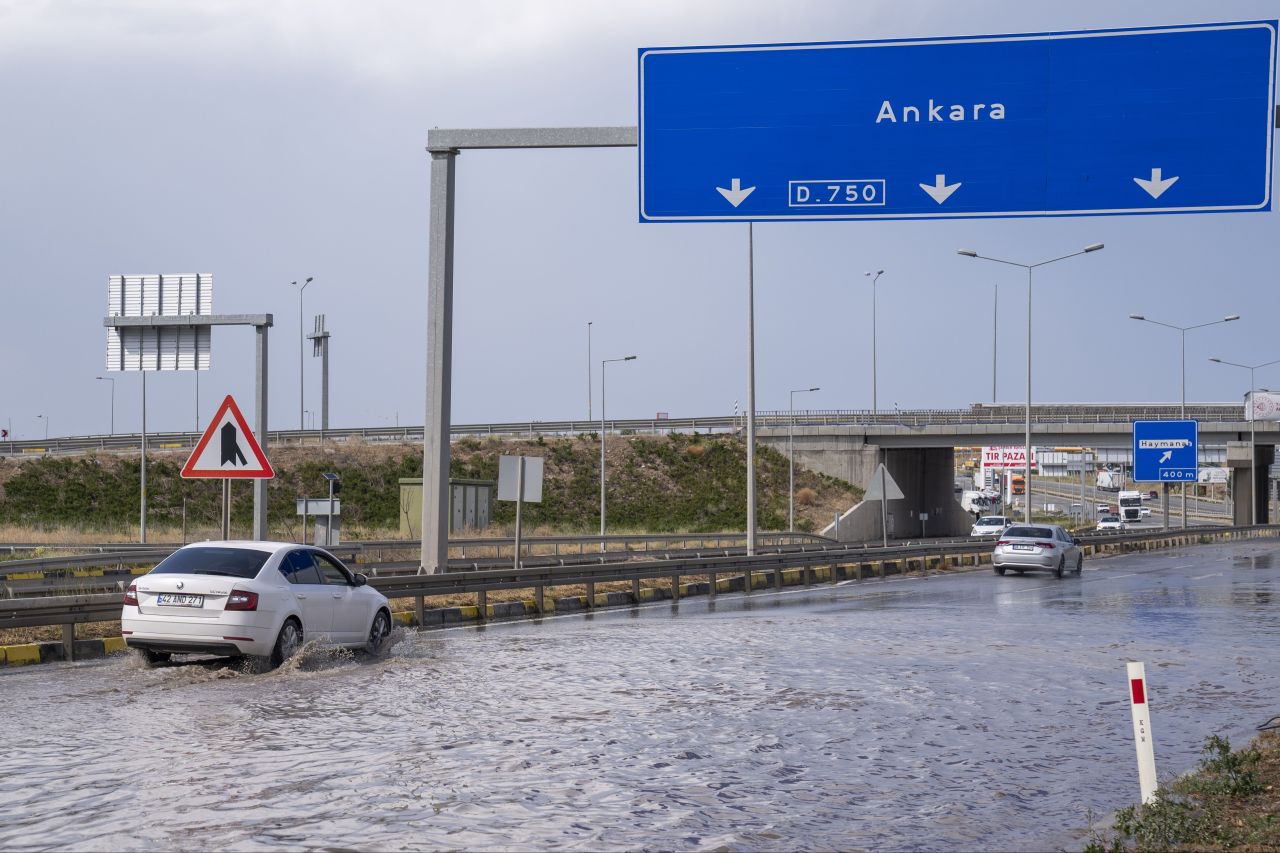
x=469 y=505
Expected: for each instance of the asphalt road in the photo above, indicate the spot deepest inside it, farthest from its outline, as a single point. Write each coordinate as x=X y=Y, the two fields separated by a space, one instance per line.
x=957 y=711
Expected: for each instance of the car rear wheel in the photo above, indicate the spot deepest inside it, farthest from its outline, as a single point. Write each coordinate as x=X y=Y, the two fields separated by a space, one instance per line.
x=378 y=632
x=150 y=658
x=998 y=569
x=1061 y=568
x=288 y=643
x=1079 y=564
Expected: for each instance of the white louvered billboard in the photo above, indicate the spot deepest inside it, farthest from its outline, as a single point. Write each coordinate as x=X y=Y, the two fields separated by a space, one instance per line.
x=160 y=348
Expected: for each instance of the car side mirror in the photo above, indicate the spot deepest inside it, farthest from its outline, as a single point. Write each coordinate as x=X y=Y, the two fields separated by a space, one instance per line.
x=362 y=579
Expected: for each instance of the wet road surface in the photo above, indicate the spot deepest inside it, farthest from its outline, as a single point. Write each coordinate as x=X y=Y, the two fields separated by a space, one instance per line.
x=958 y=712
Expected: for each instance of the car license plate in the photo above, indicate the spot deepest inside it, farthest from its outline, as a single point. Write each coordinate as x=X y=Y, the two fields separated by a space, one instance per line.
x=173 y=599
x=1024 y=547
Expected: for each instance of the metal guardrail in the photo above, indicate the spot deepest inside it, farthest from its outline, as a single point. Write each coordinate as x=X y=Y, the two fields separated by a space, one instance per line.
x=69 y=610
x=627 y=543
x=977 y=414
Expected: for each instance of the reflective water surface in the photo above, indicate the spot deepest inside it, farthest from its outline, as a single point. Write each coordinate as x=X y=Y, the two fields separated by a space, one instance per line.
x=965 y=712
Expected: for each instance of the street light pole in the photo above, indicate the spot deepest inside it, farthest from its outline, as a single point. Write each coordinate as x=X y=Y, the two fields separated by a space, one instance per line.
x=995 y=325
x=874 y=279
x=969 y=253
x=1253 y=446
x=589 y=382
x=1182 y=332
x=302 y=388
x=602 y=504
x=45 y=418
x=112 y=380
x=791 y=459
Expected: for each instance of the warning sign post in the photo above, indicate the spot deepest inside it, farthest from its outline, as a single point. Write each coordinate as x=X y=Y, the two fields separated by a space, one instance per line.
x=228 y=450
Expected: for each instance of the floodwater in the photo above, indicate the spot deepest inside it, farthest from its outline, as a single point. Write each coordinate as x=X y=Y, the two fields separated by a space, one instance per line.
x=961 y=712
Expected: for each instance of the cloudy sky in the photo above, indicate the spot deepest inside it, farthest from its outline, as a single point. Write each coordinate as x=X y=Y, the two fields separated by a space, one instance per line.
x=265 y=142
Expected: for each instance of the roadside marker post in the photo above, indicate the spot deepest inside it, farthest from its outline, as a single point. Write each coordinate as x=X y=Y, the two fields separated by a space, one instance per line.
x=1138 y=696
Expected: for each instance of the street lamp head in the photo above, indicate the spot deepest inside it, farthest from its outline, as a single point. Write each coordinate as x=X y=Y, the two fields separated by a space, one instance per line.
x=1093 y=247
x=968 y=253
x=1136 y=317
x=1230 y=317
x=1216 y=360
x=630 y=358
x=814 y=389
x=308 y=281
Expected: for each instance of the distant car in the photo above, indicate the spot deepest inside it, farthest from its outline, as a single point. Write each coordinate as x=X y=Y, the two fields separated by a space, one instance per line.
x=1143 y=512
x=259 y=599
x=1101 y=508
x=1153 y=495
x=1110 y=522
x=990 y=525
x=1042 y=547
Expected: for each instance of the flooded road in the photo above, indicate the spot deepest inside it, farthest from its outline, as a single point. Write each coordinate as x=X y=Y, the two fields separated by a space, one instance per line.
x=957 y=712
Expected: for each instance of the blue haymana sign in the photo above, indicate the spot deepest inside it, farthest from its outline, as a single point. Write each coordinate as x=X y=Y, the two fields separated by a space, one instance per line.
x=1153 y=120
x=1166 y=451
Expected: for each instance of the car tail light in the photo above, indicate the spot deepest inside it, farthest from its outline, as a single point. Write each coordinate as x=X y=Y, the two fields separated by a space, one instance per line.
x=1048 y=545
x=1003 y=542
x=131 y=595
x=241 y=599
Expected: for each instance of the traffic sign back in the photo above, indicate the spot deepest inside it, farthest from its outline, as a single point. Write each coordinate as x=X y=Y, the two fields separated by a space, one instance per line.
x=1146 y=120
x=228 y=449
x=1165 y=451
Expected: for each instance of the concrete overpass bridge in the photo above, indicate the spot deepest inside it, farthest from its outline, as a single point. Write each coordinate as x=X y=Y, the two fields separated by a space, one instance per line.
x=918 y=448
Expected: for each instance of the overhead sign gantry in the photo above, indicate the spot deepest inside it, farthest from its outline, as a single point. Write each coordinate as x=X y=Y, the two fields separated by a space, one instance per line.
x=1146 y=120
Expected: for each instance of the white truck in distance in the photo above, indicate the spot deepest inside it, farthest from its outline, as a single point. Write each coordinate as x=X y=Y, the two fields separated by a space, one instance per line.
x=1109 y=481
x=1130 y=507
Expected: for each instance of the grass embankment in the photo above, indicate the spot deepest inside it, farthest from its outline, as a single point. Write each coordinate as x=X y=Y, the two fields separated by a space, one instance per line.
x=656 y=484
x=1232 y=802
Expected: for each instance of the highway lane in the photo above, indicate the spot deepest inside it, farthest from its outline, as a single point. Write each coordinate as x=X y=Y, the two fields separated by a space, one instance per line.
x=958 y=711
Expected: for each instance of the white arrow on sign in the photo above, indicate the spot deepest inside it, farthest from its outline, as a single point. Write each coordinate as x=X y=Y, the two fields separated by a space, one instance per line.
x=1165 y=457
x=1158 y=183
x=940 y=191
x=735 y=195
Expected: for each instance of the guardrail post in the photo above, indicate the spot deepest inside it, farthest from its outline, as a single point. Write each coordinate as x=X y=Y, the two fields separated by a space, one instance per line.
x=418 y=608
x=69 y=640
x=675 y=588
x=591 y=595
x=635 y=590
x=777 y=577
x=711 y=593
x=482 y=604
x=539 y=599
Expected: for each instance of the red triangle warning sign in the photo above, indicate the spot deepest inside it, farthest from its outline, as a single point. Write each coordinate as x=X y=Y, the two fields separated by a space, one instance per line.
x=228 y=448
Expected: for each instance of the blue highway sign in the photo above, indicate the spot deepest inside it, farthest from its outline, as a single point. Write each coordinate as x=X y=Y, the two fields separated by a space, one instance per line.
x=1153 y=120
x=1165 y=451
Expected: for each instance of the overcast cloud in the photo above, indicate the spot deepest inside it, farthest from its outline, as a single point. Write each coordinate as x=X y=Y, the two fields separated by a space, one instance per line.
x=270 y=141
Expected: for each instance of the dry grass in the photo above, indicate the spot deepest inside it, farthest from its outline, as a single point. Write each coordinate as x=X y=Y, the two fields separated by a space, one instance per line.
x=806 y=497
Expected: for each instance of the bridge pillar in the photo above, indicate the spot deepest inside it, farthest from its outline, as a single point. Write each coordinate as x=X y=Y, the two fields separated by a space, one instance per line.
x=1245 y=489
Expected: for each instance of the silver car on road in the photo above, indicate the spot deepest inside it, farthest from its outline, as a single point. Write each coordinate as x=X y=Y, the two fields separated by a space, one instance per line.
x=1037 y=547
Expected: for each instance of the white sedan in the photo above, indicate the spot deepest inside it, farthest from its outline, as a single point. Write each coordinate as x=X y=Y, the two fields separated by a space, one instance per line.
x=1111 y=522
x=990 y=525
x=250 y=598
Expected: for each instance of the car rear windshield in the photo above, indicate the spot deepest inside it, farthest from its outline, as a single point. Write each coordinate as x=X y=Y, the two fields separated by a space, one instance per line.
x=1030 y=532
x=231 y=562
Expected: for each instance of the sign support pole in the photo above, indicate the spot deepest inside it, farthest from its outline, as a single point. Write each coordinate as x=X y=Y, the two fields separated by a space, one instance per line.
x=226 y=508
x=142 y=522
x=751 y=393
x=260 y=427
x=519 y=505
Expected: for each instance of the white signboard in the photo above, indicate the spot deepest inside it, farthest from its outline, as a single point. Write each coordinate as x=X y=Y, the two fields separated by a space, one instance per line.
x=509 y=472
x=159 y=348
x=1008 y=458
x=1266 y=407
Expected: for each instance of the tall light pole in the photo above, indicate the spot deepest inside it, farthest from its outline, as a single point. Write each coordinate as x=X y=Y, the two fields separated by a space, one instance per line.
x=112 y=380
x=1253 y=449
x=602 y=514
x=1182 y=332
x=791 y=458
x=589 y=383
x=874 y=278
x=302 y=345
x=969 y=253
x=995 y=325
x=45 y=418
